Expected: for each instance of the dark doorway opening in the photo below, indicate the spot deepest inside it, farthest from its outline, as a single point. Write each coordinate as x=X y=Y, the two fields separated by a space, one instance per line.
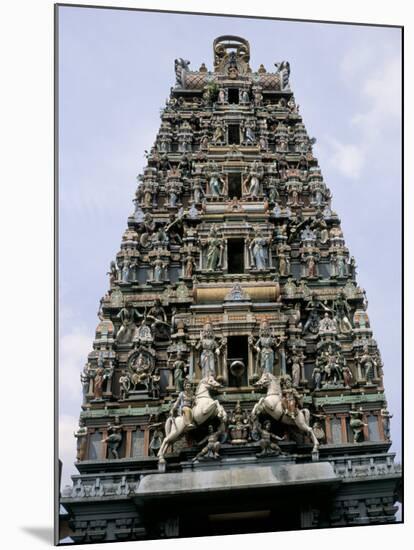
x=233 y=95
x=233 y=134
x=235 y=256
x=237 y=350
x=235 y=189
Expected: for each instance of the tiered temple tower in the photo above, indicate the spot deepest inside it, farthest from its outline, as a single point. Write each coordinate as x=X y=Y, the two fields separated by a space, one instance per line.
x=233 y=323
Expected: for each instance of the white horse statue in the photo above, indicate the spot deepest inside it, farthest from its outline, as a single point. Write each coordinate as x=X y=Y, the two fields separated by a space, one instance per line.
x=205 y=407
x=273 y=406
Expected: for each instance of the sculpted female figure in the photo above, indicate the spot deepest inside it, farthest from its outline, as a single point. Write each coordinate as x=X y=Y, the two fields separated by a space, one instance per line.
x=210 y=349
x=215 y=246
x=258 y=249
x=264 y=347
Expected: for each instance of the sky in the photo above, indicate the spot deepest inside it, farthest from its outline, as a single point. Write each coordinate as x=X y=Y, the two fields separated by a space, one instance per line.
x=115 y=72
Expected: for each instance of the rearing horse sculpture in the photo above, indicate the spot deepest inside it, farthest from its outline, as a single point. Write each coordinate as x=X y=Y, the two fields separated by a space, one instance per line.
x=272 y=405
x=205 y=407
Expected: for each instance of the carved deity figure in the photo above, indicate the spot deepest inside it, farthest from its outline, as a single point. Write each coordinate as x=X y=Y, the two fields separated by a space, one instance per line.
x=264 y=347
x=268 y=441
x=113 y=439
x=292 y=401
x=356 y=424
x=258 y=247
x=159 y=327
x=188 y=266
x=251 y=184
x=211 y=450
x=159 y=266
x=81 y=440
x=367 y=365
x=127 y=329
x=284 y=261
x=327 y=324
x=156 y=439
x=184 y=404
x=179 y=373
x=311 y=266
x=297 y=363
x=214 y=250
x=210 y=349
x=124 y=384
x=317 y=377
x=113 y=274
x=386 y=417
x=342 y=312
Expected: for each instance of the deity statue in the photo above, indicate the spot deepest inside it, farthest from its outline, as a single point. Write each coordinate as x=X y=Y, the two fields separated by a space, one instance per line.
x=311 y=265
x=283 y=69
x=124 y=384
x=347 y=376
x=356 y=424
x=155 y=384
x=317 y=377
x=211 y=450
x=188 y=266
x=251 y=184
x=264 y=347
x=342 y=312
x=160 y=328
x=386 y=417
x=284 y=261
x=239 y=426
x=85 y=378
x=332 y=374
x=160 y=238
x=126 y=331
x=114 y=439
x=248 y=132
x=367 y=365
x=183 y=404
x=214 y=249
x=268 y=440
x=180 y=372
x=81 y=440
x=221 y=96
x=258 y=247
x=244 y=97
x=113 y=274
x=156 y=439
x=198 y=191
x=327 y=324
x=297 y=363
x=125 y=270
x=292 y=401
x=210 y=349
x=159 y=266
x=218 y=135
x=98 y=383
x=312 y=323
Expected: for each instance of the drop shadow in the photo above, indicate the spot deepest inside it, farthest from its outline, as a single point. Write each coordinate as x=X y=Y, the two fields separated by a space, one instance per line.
x=44 y=534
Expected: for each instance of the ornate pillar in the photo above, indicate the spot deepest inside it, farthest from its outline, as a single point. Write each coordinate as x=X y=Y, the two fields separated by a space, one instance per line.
x=104 y=448
x=328 y=430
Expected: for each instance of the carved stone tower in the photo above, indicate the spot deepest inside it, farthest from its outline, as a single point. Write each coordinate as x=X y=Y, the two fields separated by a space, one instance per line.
x=234 y=325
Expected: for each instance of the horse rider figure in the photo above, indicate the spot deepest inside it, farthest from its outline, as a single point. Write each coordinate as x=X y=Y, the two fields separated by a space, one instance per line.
x=292 y=399
x=184 y=403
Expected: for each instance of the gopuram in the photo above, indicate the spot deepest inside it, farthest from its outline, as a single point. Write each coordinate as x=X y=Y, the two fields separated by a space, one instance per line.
x=234 y=384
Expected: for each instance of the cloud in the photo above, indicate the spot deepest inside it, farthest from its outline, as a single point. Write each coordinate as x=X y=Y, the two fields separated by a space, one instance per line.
x=67 y=447
x=348 y=158
x=373 y=77
x=73 y=351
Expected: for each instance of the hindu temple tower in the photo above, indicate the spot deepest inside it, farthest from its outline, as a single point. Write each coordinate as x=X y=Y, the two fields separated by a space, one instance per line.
x=233 y=284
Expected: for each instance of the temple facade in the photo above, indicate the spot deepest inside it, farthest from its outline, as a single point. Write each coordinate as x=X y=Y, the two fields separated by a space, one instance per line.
x=234 y=384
